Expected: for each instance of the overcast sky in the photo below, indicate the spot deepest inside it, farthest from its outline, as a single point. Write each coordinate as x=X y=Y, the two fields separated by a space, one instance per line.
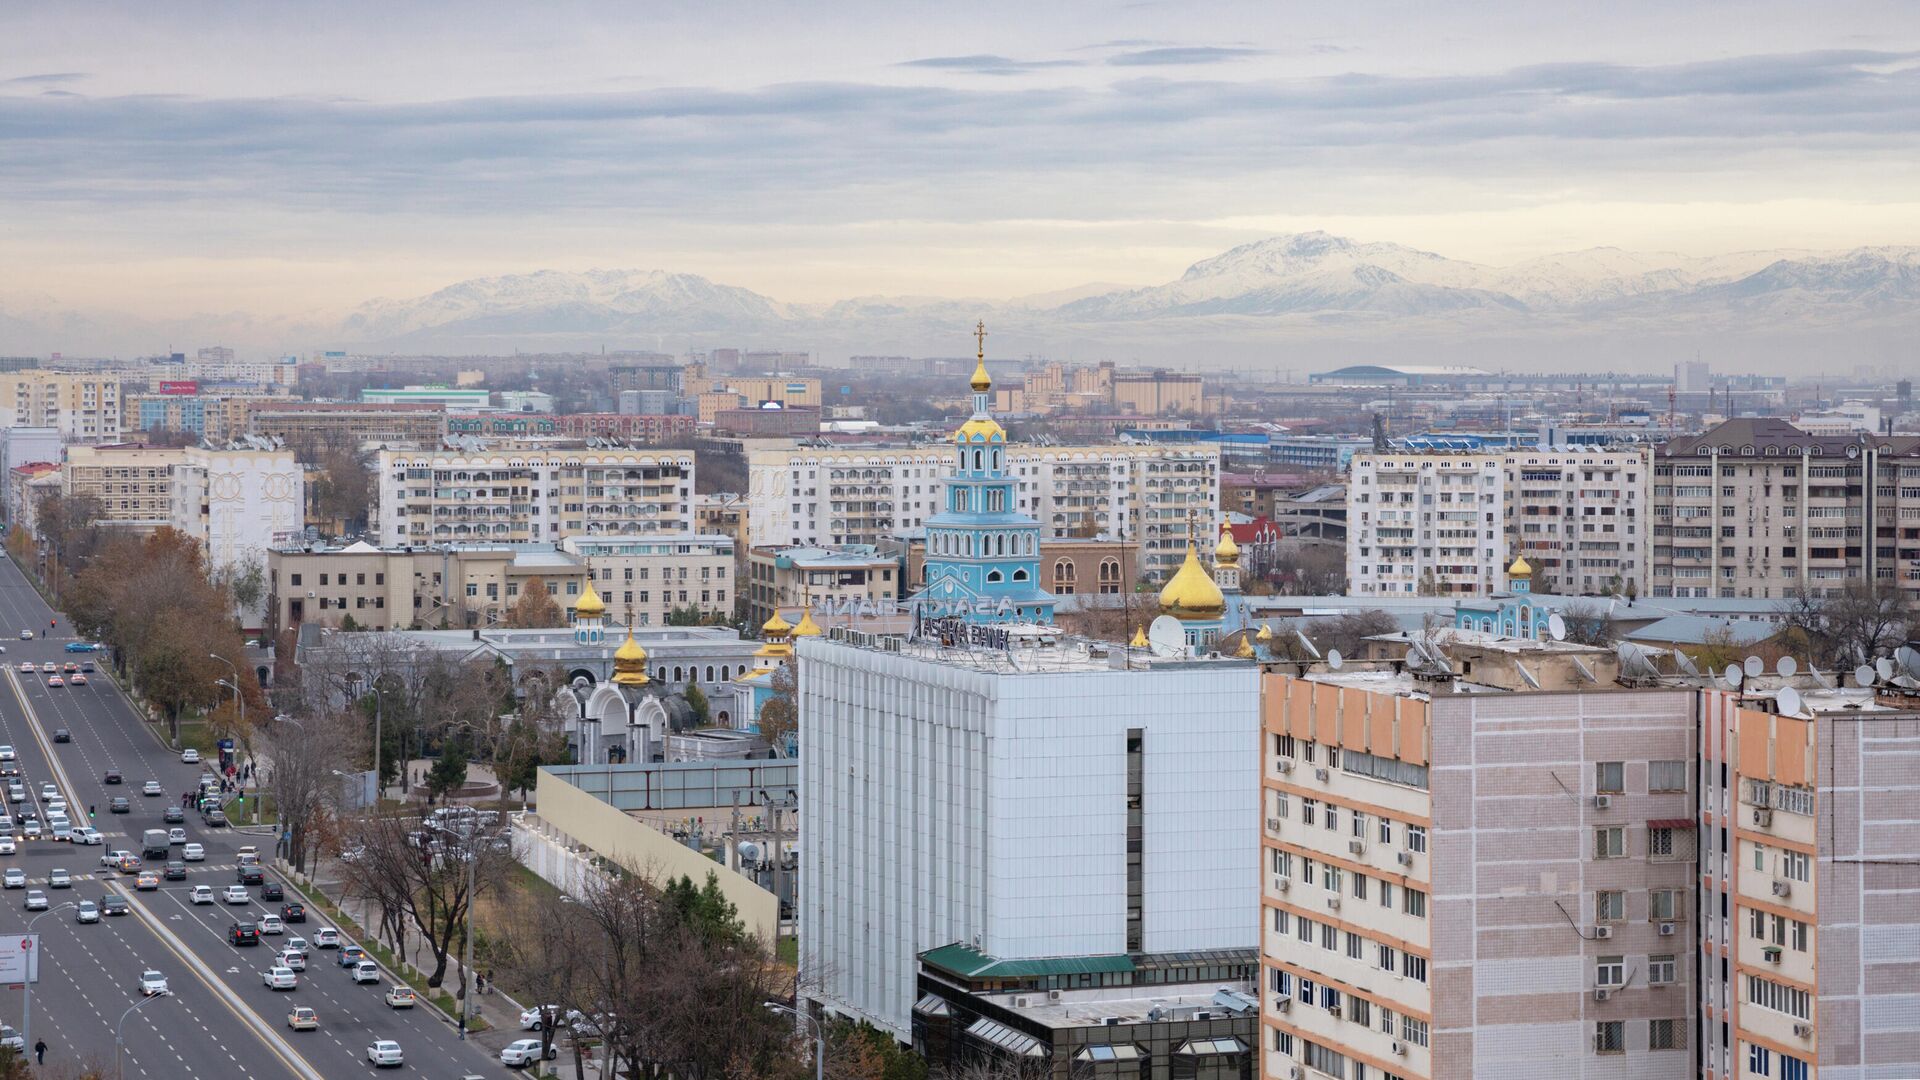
x=283 y=158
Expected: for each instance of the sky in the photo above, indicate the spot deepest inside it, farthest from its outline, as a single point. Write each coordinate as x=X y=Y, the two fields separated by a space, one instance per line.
x=290 y=161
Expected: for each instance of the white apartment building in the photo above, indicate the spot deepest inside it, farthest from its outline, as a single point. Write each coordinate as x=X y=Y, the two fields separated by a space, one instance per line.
x=651 y=576
x=1440 y=524
x=84 y=407
x=239 y=504
x=221 y=365
x=429 y=496
x=1037 y=797
x=1139 y=493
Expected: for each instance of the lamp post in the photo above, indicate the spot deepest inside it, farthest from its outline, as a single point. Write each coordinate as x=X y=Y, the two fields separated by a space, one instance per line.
x=240 y=704
x=119 y=1044
x=26 y=1008
x=819 y=1036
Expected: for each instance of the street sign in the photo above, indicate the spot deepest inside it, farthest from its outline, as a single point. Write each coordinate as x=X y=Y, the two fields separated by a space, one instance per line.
x=226 y=744
x=19 y=958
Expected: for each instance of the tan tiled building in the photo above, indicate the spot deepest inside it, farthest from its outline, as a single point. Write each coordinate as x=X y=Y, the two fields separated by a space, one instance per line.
x=518 y=494
x=460 y=585
x=133 y=482
x=654 y=576
x=85 y=407
x=348 y=425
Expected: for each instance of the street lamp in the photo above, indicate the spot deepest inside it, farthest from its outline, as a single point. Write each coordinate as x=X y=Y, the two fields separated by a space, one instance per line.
x=472 y=857
x=819 y=1036
x=119 y=1067
x=239 y=699
x=26 y=1009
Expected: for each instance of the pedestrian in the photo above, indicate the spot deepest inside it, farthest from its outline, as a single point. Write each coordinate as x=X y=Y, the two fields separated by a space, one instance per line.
x=40 y=1051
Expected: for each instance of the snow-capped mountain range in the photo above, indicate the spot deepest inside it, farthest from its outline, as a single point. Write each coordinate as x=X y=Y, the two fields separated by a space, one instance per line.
x=1286 y=301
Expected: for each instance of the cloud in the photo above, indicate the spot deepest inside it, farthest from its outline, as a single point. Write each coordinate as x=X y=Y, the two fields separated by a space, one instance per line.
x=1325 y=49
x=1182 y=54
x=988 y=64
x=48 y=79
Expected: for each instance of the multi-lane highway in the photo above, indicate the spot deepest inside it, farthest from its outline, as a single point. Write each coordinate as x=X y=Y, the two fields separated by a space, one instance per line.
x=221 y=1021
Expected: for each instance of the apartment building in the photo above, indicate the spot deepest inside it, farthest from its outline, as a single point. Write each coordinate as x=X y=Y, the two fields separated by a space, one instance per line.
x=791 y=578
x=653 y=576
x=238 y=503
x=347 y=425
x=83 y=406
x=455 y=585
x=1478 y=884
x=521 y=494
x=217 y=416
x=1581 y=518
x=1757 y=508
x=220 y=364
x=1138 y=493
x=132 y=481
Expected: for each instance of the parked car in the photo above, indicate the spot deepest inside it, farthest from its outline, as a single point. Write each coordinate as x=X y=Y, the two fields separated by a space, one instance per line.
x=525 y=1052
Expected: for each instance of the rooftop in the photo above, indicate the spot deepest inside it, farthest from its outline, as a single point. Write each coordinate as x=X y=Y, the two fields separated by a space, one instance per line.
x=1021 y=649
x=1109 y=1005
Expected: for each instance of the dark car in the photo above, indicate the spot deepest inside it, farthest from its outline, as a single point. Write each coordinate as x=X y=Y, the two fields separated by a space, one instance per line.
x=271 y=891
x=215 y=818
x=243 y=933
x=113 y=777
x=113 y=904
x=293 y=913
x=62 y=735
x=174 y=815
x=119 y=804
x=176 y=870
x=251 y=875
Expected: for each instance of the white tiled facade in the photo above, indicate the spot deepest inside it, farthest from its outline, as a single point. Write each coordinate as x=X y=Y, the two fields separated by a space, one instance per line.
x=435 y=497
x=946 y=803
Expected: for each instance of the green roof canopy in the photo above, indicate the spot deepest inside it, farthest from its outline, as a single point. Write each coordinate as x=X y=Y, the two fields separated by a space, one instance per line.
x=970 y=963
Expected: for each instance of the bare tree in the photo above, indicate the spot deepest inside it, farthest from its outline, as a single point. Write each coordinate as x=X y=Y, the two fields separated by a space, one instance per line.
x=1587 y=624
x=1350 y=631
x=1852 y=627
x=421 y=875
x=303 y=777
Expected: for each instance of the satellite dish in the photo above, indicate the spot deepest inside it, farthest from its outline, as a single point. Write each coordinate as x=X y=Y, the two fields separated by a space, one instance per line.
x=1786 y=666
x=1884 y=667
x=1685 y=663
x=1733 y=675
x=1334 y=659
x=1167 y=637
x=1754 y=666
x=1305 y=644
x=1863 y=676
x=1787 y=701
x=1908 y=658
x=1557 y=627
x=1527 y=675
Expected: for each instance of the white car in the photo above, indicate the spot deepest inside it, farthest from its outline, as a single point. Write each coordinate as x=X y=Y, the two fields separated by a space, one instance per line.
x=525 y=1052
x=152 y=787
x=56 y=806
x=36 y=900
x=366 y=971
x=279 y=978
x=384 y=1052
x=59 y=879
x=296 y=943
x=189 y=756
x=152 y=982
x=7 y=846
x=193 y=853
x=324 y=938
x=86 y=911
x=236 y=894
x=86 y=834
x=292 y=959
x=112 y=858
x=202 y=894
x=48 y=792
x=271 y=924
x=533 y=1019
x=16 y=878
x=176 y=835
x=16 y=793
x=7 y=754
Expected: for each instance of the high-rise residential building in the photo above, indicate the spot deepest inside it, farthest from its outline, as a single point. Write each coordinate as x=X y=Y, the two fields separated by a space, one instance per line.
x=238 y=503
x=133 y=483
x=1141 y=493
x=1441 y=524
x=442 y=496
x=321 y=426
x=83 y=406
x=1757 y=508
x=221 y=365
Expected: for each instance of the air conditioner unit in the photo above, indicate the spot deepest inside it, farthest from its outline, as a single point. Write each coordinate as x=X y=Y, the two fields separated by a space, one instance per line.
x=1111 y=1021
x=1771 y=953
x=1357 y=847
x=1283 y=766
x=1405 y=858
x=1023 y=1001
x=1273 y=824
x=1603 y=993
x=1282 y=1004
x=1602 y=933
x=1333 y=903
x=1321 y=774
x=1781 y=888
x=1294 y=1073
x=1762 y=817
x=1602 y=802
x=1804 y=1031
x=1281 y=884
x=1666 y=929
x=1397 y=1047
x=1054 y=995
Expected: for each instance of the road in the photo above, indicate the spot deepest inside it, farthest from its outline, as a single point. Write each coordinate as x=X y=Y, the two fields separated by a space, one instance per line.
x=222 y=1021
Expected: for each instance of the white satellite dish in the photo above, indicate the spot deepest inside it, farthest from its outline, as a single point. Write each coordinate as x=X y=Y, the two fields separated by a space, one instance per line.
x=1732 y=675
x=1787 y=701
x=1908 y=658
x=1685 y=663
x=1557 y=627
x=1786 y=666
x=1167 y=637
x=1885 y=667
x=1334 y=659
x=1863 y=676
x=1754 y=666
x=1305 y=644
x=1527 y=675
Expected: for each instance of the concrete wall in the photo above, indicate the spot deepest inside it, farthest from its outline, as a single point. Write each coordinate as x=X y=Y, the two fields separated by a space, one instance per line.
x=615 y=836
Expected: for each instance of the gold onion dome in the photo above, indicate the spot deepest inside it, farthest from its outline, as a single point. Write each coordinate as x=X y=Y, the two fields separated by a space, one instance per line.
x=807 y=627
x=1265 y=634
x=590 y=605
x=1228 y=552
x=981 y=381
x=1245 y=651
x=776 y=631
x=980 y=429
x=1520 y=568
x=1191 y=594
x=776 y=626
x=630 y=662
x=1139 y=638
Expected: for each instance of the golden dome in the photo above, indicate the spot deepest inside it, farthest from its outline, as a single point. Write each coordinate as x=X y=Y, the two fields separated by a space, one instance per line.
x=981 y=381
x=1191 y=594
x=776 y=626
x=1520 y=567
x=1245 y=651
x=1265 y=634
x=980 y=429
x=630 y=663
x=807 y=627
x=590 y=605
x=1228 y=552
x=1139 y=638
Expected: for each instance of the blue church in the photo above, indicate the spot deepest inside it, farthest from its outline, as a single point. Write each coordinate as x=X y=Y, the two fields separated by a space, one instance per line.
x=1512 y=615
x=983 y=555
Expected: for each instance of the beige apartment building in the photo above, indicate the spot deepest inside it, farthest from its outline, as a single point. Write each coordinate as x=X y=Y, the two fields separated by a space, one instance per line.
x=83 y=406
x=1758 y=508
x=1141 y=494
x=459 y=585
x=527 y=494
x=133 y=482
x=653 y=576
x=850 y=578
x=348 y=425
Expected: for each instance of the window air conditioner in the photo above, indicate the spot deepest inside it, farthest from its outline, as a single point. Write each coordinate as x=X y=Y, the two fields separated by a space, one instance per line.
x=1333 y=903
x=1602 y=993
x=1397 y=1047
x=1281 y=884
x=1321 y=775
x=1282 y=1004
x=1763 y=817
x=1283 y=766
x=1273 y=824
x=1771 y=953
x=1804 y=1031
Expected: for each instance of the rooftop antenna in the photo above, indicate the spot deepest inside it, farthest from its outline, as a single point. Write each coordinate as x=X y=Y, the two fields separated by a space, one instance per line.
x=1863 y=676
x=1557 y=628
x=1786 y=666
x=1527 y=675
x=1334 y=660
x=1787 y=701
x=1308 y=645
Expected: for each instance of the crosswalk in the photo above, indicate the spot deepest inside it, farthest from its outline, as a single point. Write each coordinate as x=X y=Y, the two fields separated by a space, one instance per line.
x=104 y=874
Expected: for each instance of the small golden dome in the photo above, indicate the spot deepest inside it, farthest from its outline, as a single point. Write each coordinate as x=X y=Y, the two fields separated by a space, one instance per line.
x=981 y=381
x=1520 y=567
x=807 y=627
x=1139 y=638
x=630 y=663
x=1191 y=594
x=1245 y=651
x=776 y=626
x=980 y=429
x=1266 y=633
x=590 y=605
x=1227 y=553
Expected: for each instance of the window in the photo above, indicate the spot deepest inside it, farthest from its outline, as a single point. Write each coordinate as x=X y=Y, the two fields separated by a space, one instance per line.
x=1663 y=843
x=1413 y=902
x=1308 y=809
x=1303 y=928
x=1661 y=969
x=1756 y=924
x=1792 y=1068
x=1759 y=1060
x=1359 y=886
x=1610 y=776
x=1389 y=958
x=1356 y=946
x=1666 y=1034
x=1386 y=1020
x=1662 y=904
x=1610 y=971
x=1359 y=1010
x=1332 y=817
x=1323 y=1059
x=1759 y=856
x=1386 y=830
x=1413 y=1031
x=1414 y=967
x=1386 y=895
x=1609 y=905
x=1666 y=776
x=1610 y=842
x=1329 y=937
x=1359 y=825
x=1330 y=877
x=1416 y=838
x=1779 y=997
x=1794 y=866
x=1797 y=935
x=1610 y=1037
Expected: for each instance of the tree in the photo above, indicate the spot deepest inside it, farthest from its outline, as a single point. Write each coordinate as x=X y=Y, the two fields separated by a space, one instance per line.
x=697 y=701
x=340 y=489
x=860 y=1051
x=536 y=609
x=449 y=772
x=780 y=714
x=1588 y=624
x=305 y=752
x=421 y=876
x=704 y=909
x=1848 y=627
x=1349 y=632
x=1310 y=570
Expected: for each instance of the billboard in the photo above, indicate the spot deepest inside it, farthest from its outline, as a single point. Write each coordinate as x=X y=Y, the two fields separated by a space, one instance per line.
x=19 y=958
x=180 y=386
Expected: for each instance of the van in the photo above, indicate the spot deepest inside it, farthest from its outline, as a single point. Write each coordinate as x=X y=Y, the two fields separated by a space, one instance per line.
x=154 y=844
